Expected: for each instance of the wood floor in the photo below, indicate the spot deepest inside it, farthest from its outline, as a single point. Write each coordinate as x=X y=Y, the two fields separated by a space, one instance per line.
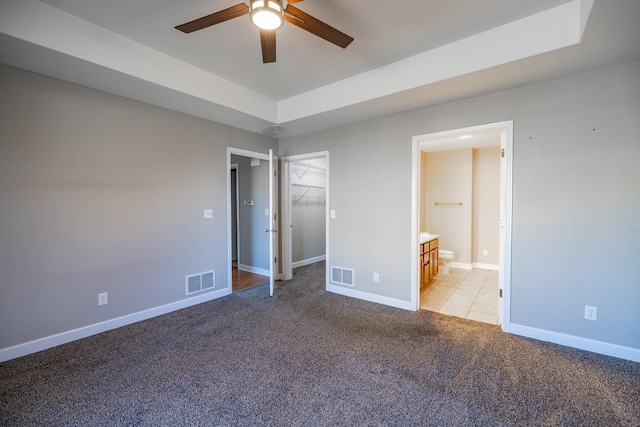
x=243 y=279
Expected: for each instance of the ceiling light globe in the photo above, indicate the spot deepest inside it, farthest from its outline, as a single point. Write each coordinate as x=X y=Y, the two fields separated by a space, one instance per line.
x=267 y=15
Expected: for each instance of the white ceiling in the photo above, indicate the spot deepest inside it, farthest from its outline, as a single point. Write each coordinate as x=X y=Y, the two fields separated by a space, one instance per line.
x=407 y=54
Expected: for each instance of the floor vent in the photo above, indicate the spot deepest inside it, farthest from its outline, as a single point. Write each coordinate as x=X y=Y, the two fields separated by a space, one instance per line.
x=200 y=282
x=342 y=276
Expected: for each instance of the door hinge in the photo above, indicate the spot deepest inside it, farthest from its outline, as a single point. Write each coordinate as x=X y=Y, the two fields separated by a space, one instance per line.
x=500 y=293
x=275 y=260
x=502 y=152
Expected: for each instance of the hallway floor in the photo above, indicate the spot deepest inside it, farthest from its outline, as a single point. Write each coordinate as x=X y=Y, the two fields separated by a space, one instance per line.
x=471 y=294
x=243 y=279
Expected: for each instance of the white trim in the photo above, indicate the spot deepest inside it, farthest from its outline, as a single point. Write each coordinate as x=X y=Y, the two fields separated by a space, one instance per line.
x=392 y=302
x=286 y=235
x=494 y=267
x=504 y=314
x=254 y=270
x=415 y=224
x=97 y=328
x=505 y=190
x=235 y=167
x=243 y=153
x=285 y=221
x=599 y=347
x=460 y=265
x=308 y=261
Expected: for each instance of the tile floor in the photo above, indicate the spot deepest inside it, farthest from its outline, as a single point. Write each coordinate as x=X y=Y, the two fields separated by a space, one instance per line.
x=472 y=294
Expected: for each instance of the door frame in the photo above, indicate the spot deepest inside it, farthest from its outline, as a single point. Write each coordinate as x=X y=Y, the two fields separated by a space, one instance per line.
x=234 y=166
x=506 y=209
x=273 y=213
x=287 y=235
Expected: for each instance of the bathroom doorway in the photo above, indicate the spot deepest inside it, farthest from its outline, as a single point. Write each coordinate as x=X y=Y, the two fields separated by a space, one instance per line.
x=479 y=277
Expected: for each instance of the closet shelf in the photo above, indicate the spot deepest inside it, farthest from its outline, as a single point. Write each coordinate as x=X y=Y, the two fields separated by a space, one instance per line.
x=308 y=186
x=309 y=165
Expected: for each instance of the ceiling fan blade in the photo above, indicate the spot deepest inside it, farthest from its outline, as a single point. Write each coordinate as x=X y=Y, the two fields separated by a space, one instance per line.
x=268 y=41
x=307 y=22
x=214 y=18
x=294 y=1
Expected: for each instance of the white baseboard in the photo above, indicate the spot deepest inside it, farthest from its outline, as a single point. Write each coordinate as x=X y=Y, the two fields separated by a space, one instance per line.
x=254 y=270
x=494 y=267
x=308 y=261
x=350 y=292
x=600 y=347
x=461 y=265
x=97 y=328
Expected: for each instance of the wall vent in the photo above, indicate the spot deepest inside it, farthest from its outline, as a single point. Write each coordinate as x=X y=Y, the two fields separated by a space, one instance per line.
x=200 y=282
x=342 y=276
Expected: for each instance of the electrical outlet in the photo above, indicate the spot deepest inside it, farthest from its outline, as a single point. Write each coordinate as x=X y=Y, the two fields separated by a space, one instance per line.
x=485 y=252
x=103 y=298
x=376 y=277
x=590 y=313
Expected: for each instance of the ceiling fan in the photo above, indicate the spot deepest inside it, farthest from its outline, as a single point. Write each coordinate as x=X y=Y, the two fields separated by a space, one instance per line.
x=268 y=16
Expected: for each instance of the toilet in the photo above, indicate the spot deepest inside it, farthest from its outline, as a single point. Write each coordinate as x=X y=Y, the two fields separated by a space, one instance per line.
x=445 y=257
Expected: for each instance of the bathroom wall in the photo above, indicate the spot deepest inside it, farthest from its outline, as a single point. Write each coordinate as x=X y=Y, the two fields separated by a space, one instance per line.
x=448 y=178
x=471 y=176
x=486 y=206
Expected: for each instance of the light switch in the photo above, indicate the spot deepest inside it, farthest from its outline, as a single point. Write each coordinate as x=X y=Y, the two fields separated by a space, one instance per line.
x=333 y=213
x=208 y=213
x=266 y=212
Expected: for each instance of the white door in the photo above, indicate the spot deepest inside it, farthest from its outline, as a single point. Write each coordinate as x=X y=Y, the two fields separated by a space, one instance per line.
x=272 y=230
x=271 y=211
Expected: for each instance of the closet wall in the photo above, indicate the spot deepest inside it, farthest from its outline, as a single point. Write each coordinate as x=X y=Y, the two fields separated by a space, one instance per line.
x=308 y=211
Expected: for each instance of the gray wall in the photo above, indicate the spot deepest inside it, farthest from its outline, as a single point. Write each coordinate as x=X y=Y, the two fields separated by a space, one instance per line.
x=576 y=204
x=254 y=185
x=103 y=194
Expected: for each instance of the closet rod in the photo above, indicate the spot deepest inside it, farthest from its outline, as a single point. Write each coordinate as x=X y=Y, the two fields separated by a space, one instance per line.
x=448 y=203
x=308 y=186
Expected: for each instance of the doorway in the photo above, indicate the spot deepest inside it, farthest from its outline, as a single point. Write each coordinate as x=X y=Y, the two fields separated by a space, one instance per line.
x=460 y=143
x=305 y=225
x=251 y=219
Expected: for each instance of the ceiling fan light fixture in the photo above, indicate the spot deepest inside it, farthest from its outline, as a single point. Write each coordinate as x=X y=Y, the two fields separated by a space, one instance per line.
x=267 y=14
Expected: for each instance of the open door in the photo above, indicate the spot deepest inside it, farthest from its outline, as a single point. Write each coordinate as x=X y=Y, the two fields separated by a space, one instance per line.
x=268 y=244
x=272 y=230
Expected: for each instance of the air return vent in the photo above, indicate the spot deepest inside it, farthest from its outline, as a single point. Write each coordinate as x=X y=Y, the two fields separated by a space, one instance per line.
x=342 y=276
x=200 y=282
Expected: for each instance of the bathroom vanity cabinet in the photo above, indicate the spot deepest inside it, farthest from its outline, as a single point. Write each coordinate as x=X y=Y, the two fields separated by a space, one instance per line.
x=428 y=261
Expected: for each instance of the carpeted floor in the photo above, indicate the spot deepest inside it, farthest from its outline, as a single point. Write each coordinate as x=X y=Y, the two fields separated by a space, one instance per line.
x=309 y=358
